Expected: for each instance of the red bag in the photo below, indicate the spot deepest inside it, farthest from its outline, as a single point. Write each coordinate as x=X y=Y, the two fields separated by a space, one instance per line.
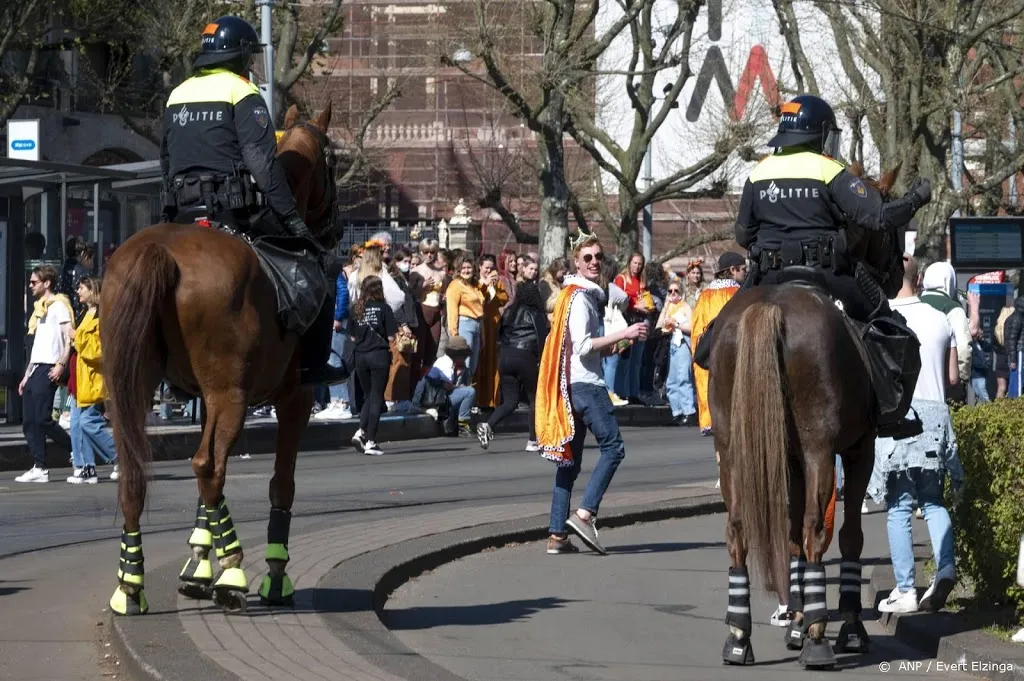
x=73 y=378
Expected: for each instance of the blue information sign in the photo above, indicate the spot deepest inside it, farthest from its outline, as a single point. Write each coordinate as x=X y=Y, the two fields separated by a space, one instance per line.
x=979 y=244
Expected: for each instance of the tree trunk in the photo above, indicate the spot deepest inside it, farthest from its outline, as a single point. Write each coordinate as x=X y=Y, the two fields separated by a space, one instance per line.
x=630 y=215
x=554 y=205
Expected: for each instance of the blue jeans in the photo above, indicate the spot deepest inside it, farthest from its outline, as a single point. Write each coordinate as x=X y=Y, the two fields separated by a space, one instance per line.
x=592 y=409
x=839 y=473
x=78 y=442
x=462 y=400
x=96 y=431
x=901 y=490
x=979 y=383
x=470 y=330
x=679 y=382
x=634 y=362
x=338 y=391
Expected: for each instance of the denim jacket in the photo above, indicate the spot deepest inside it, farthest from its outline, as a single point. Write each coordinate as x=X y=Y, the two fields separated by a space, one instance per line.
x=934 y=449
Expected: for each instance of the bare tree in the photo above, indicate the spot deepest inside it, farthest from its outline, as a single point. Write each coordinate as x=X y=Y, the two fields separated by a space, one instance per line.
x=909 y=65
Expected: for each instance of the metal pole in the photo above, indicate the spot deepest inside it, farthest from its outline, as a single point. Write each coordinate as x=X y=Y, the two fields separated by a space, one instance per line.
x=266 y=8
x=1013 y=178
x=96 y=215
x=648 y=236
x=63 y=216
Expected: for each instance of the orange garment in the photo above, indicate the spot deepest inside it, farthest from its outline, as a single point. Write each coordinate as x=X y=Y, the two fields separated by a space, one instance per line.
x=830 y=516
x=553 y=418
x=709 y=303
x=485 y=373
x=463 y=299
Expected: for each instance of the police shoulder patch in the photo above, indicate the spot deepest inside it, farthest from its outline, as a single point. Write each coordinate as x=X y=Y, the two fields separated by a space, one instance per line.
x=858 y=188
x=262 y=116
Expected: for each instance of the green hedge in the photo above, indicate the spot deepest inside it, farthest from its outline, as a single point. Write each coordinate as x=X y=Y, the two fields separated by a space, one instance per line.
x=989 y=519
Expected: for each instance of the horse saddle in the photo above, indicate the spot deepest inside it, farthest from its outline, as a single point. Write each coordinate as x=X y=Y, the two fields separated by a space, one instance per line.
x=295 y=269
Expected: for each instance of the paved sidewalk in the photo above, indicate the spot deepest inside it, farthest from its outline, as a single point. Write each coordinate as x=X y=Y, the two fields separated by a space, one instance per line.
x=651 y=610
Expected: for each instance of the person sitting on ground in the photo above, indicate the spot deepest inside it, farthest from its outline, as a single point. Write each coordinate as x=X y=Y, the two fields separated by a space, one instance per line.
x=440 y=392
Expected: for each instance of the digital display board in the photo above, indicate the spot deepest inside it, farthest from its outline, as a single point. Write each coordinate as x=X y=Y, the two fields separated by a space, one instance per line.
x=980 y=243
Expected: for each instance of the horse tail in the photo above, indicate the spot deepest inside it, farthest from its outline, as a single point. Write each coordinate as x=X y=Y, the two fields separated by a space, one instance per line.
x=758 y=434
x=131 y=350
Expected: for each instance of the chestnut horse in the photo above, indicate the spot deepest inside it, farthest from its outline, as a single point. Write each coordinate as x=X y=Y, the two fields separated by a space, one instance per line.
x=790 y=387
x=191 y=304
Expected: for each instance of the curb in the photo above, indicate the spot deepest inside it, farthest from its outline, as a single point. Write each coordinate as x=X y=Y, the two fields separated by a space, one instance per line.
x=942 y=636
x=369 y=579
x=182 y=442
x=350 y=596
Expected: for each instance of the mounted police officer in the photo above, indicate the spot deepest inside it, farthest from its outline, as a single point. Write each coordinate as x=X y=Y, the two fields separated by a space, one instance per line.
x=792 y=218
x=219 y=156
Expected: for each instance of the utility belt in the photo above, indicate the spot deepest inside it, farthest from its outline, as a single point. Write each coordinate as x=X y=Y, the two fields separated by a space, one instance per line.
x=827 y=252
x=214 y=191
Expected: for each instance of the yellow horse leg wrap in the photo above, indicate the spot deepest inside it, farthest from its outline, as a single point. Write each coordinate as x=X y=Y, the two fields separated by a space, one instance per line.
x=201 y=535
x=130 y=568
x=197 y=570
x=225 y=539
x=124 y=604
x=277 y=590
x=232 y=578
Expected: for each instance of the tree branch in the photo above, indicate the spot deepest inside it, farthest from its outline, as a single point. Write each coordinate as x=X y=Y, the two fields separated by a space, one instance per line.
x=790 y=31
x=290 y=77
x=722 y=234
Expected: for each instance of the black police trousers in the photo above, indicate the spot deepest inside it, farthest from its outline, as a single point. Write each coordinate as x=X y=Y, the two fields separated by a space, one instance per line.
x=315 y=343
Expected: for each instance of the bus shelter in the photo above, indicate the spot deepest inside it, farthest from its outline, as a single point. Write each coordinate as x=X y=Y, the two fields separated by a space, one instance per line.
x=104 y=205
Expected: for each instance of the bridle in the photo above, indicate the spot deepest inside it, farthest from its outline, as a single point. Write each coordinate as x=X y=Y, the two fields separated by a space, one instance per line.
x=324 y=215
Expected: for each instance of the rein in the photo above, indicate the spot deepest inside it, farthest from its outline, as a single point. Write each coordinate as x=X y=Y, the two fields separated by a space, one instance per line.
x=325 y=214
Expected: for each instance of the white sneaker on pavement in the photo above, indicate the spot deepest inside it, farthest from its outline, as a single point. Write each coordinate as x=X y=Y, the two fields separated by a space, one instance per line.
x=937 y=593
x=116 y=473
x=371 y=449
x=358 y=441
x=781 y=617
x=532 y=446
x=34 y=474
x=899 y=601
x=1018 y=637
x=84 y=476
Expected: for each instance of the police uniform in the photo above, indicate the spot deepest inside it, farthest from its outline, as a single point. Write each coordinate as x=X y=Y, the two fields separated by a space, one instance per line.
x=217 y=131
x=792 y=212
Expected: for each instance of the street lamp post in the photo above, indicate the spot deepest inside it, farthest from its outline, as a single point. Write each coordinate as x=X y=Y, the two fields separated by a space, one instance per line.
x=648 y=218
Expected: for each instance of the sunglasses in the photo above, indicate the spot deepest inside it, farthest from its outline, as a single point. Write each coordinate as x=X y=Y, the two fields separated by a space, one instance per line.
x=673 y=290
x=589 y=257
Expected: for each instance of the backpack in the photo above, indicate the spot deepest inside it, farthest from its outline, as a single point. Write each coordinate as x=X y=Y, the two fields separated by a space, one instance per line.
x=1004 y=314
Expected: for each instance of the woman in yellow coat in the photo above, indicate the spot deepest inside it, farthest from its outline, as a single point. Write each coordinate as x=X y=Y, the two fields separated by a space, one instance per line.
x=732 y=270
x=485 y=374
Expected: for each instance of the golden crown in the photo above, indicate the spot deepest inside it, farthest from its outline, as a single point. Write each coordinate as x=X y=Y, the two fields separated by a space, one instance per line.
x=581 y=236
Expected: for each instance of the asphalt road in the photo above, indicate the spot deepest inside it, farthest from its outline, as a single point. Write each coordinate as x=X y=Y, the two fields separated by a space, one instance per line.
x=54 y=599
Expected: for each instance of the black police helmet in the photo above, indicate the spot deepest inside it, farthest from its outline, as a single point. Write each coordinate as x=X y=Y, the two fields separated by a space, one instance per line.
x=228 y=40
x=807 y=121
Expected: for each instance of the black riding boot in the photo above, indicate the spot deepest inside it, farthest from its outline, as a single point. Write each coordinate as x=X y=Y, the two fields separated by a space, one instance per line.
x=315 y=346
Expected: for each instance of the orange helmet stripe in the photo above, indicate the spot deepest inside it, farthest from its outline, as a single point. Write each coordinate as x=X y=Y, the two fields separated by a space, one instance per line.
x=210 y=29
x=791 y=108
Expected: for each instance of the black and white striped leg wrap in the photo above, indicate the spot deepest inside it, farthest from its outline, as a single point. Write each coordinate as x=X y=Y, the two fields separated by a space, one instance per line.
x=796 y=578
x=738 y=613
x=849 y=586
x=815 y=609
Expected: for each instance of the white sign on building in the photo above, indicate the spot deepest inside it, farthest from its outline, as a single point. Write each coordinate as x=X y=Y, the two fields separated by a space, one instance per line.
x=739 y=61
x=23 y=140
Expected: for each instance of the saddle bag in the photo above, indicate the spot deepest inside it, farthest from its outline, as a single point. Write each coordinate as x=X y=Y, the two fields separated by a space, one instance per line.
x=894 y=356
x=298 y=277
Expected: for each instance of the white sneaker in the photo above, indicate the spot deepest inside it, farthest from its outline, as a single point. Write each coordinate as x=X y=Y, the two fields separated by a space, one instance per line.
x=65 y=420
x=616 y=400
x=84 y=476
x=864 y=508
x=432 y=413
x=116 y=473
x=899 y=601
x=344 y=413
x=371 y=449
x=532 y=446
x=935 y=596
x=484 y=434
x=331 y=413
x=718 y=484
x=34 y=474
x=358 y=441
x=781 y=617
x=1018 y=637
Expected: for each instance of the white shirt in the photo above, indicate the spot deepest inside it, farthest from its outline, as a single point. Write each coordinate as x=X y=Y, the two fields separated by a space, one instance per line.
x=936 y=336
x=443 y=369
x=50 y=340
x=585 y=366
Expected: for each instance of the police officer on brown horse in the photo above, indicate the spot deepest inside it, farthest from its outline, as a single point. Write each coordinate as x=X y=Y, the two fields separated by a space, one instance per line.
x=219 y=162
x=793 y=215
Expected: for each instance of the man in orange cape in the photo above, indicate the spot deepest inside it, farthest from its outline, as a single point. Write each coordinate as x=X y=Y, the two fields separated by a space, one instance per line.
x=572 y=398
x=732 y=270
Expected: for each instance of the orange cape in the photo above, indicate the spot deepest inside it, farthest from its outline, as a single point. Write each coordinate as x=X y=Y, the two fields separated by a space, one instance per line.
x=553 y=418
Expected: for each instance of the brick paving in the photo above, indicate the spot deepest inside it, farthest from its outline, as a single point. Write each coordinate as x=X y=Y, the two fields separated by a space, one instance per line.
x=268 y=644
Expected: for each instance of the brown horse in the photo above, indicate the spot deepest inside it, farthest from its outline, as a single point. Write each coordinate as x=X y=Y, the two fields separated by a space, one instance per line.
x=790 y=387
x=191 y=304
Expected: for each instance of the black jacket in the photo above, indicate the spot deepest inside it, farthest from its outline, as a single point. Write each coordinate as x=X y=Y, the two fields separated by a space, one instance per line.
x=523 y=328
x=1013 y=330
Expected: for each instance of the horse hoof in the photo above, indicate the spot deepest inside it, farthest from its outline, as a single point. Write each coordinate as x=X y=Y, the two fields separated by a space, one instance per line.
x=232 y=601
x=853 y=638
x=199 y=591
x=277 y=590
x=129 y=604
x=795 y=635
x=817 y=655
x=737 y=651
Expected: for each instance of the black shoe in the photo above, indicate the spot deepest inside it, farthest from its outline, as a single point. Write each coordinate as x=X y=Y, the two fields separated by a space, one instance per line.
x=323 y=375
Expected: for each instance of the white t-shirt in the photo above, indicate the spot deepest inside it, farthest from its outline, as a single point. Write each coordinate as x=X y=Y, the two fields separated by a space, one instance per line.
x=443 y=369
x=936 y=336
x=49 y=342
x=585 y=365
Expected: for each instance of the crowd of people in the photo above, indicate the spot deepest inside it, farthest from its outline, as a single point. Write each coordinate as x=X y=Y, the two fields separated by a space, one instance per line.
x=418 y=298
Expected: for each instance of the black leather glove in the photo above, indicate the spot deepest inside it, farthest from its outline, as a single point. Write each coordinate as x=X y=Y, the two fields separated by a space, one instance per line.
x=920 y=193
x=297 y=228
